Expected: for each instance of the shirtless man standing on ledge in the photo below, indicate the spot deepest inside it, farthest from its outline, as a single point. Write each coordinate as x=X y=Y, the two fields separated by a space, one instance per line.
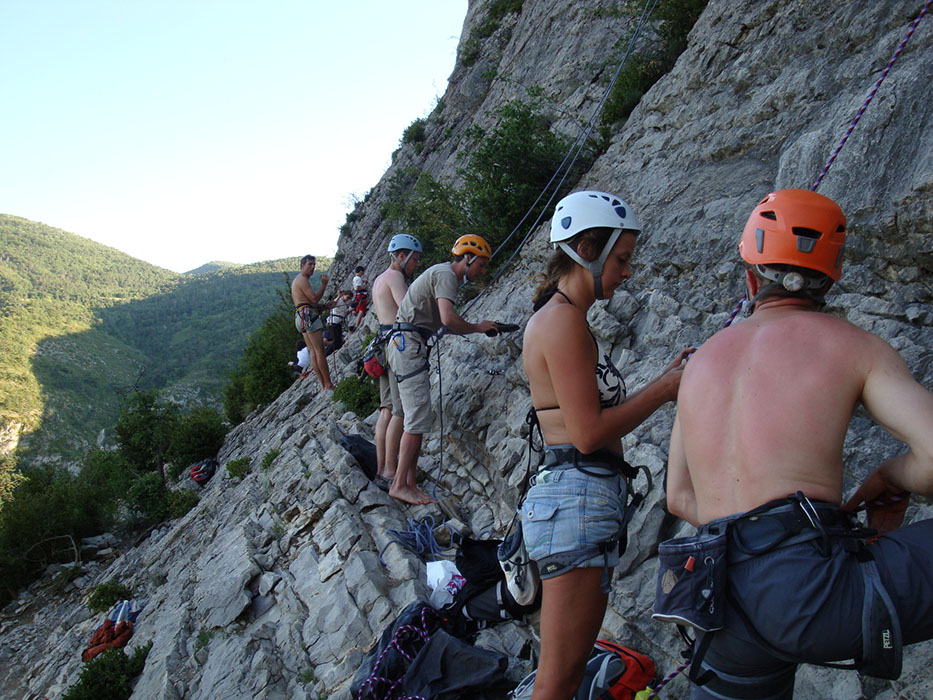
x=308 y=318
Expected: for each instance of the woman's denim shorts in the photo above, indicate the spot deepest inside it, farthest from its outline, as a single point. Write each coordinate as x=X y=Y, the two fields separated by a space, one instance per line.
x=568 y=517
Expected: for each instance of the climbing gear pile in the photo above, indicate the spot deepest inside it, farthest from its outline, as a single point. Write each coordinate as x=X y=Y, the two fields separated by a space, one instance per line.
x=613 y=672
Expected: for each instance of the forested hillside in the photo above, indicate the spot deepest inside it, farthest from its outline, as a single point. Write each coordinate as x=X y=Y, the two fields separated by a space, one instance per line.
x=81 y=324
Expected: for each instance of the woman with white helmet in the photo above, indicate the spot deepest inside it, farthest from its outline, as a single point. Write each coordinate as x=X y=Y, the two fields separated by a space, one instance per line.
x=574 y=513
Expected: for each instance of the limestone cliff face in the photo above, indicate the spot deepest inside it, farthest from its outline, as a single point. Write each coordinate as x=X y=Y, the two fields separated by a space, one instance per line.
x=279 y=575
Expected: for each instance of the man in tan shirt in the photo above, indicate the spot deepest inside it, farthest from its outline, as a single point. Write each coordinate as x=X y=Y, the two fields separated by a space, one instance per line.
x=427 y=307
x=756 y=453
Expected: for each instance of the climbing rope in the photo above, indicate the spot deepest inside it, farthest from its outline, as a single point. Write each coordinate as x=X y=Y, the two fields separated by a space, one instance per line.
x=405 y=634
x=419 y=538
x=566 y=166
x=855 y=121
x=440 y=415
x=667 y=679
x=735 y=311
x=871 y=95
x=570 y=158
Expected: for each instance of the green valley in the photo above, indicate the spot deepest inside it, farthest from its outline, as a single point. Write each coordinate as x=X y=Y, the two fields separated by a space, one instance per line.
x=82 y=325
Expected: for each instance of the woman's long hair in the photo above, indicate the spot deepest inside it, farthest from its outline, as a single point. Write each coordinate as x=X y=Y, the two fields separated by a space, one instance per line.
x=559 y=263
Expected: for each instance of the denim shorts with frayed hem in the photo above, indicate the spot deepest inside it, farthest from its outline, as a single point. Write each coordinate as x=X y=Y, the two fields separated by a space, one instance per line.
x=569 y=516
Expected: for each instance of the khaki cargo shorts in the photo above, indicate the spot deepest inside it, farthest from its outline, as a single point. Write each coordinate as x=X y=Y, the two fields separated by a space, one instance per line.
x=388 y=393
x=415 y=387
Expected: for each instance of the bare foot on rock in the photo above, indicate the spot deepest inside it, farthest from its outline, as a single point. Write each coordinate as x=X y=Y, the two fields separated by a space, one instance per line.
x=403 y=493
x=411 y=495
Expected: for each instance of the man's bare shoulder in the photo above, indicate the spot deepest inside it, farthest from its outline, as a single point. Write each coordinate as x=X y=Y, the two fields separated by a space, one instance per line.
x=388 y=275
x=818 y=337
x=389 y=281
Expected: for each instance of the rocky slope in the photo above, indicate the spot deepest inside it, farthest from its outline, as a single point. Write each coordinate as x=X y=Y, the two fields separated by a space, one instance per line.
x=273 y=586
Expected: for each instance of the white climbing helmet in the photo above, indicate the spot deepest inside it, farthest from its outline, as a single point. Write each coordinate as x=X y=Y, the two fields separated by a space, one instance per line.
x=404 y=241
x=580 y=211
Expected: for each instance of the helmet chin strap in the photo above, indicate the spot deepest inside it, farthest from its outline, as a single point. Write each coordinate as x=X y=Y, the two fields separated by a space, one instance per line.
x=594 y=266
x=469 y=257
x=402 y=262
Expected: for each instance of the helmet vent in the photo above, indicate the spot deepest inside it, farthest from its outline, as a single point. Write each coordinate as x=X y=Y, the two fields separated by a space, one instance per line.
x=806 y=238
x=840 y=229
x=769 y=215
x=620 y=210
x=565 y=222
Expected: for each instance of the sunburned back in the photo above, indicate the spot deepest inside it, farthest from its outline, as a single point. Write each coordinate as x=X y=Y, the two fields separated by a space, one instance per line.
x=388 y=290
x=764 y=407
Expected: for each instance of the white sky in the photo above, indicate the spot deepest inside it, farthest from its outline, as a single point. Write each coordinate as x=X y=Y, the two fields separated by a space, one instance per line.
x=184 y=131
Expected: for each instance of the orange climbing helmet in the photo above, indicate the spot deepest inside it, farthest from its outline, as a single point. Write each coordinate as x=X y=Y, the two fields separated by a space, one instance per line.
x=796 y=227
x=475 y=245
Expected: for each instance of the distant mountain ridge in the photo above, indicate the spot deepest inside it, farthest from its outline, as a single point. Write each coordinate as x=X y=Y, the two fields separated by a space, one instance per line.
x=212 y=266
x=81 y=324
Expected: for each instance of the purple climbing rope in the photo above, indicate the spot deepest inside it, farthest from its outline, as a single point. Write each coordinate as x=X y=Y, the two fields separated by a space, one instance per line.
x=871 y=95
x=667 y=679
x=735 y=311
x=404 y=633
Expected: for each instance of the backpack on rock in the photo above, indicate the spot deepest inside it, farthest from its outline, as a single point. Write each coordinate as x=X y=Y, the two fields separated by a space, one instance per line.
x=613 y=672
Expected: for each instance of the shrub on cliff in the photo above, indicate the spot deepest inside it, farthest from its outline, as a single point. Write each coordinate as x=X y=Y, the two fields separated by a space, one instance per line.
x=152 y=431
x=508 y=169
x=109 y=675
x=106 y=595
x=49 y=512
x=358 y=394
x=197 y=436
x=675 y=19
x=144 y=430
x=10 y=478
x=149 y=497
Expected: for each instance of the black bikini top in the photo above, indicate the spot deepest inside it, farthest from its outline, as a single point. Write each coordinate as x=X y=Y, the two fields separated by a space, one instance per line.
x=609 y=380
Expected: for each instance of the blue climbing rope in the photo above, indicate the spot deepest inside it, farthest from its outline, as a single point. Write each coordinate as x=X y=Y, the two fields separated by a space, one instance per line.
x=419 y=538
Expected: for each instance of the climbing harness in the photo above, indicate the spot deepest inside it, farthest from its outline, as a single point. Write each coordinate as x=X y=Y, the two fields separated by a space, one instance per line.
x=398 y=339
x=599 y=464
x=774 y=525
